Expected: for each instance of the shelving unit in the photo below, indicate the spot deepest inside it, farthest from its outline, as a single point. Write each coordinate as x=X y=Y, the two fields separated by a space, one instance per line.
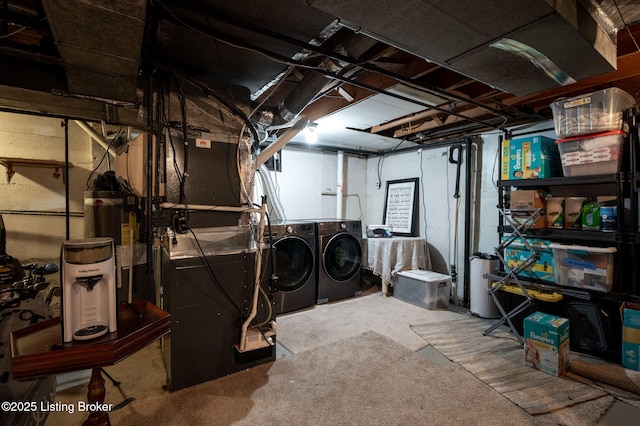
x=625 y=238
x=625 y=187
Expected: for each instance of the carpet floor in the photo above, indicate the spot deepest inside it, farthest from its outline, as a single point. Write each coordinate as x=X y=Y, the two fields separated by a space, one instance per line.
x=367 y=379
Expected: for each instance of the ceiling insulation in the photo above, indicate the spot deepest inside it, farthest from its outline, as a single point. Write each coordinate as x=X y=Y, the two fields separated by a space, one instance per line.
x=100 y=42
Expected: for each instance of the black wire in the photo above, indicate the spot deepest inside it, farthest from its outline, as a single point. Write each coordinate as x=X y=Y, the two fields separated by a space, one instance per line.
x=265 y=264
x=212 y=274
x=106 y=153
x=231 y=107
x=179 y=174
x=185 y=160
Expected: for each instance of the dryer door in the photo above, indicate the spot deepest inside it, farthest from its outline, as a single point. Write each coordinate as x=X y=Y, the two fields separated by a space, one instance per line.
x=294 y=263
x=342 y=257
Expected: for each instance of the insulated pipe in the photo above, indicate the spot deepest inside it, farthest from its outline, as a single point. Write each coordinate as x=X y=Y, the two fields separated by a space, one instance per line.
x=339 y=185
x=91 y=131
x=269 y=151
x=304 y=92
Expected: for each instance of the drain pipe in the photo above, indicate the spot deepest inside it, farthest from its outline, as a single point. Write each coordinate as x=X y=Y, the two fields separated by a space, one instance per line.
x=339 y=186
x=92 y=132
x=467 y=224
x=269 y=151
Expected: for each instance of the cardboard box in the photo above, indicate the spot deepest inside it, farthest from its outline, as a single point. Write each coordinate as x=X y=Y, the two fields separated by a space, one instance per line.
x=630 y=335
x=530 y=158
x=516 y=253
x=546 y=345
x=528 y=200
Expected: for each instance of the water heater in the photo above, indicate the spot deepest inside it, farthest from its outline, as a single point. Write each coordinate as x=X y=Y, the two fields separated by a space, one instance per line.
x=89 y=308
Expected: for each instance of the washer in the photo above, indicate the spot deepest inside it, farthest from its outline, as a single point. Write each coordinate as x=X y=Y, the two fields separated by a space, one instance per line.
x=340 y=259
x=294 y=246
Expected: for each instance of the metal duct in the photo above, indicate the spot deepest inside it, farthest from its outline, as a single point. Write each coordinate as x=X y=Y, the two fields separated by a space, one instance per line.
x=459 y=37
x=100 y=44
x=347 y=44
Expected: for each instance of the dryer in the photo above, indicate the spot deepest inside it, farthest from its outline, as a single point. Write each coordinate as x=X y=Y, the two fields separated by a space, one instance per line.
x=295 y=263
x=340 y=259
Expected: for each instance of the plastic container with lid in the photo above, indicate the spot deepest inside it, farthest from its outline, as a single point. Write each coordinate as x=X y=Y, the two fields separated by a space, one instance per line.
x=426 y=289
x=593 y=154
x=599 y=111
x=583 y=267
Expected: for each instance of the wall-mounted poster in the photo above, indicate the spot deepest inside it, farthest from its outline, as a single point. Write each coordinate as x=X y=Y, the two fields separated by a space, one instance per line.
x=401 y=206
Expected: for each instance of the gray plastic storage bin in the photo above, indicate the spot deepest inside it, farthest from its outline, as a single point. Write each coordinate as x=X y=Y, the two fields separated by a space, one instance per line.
x=427 y=289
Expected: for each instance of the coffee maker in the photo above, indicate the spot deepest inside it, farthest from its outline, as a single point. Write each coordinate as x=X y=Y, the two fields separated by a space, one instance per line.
x=88 y=288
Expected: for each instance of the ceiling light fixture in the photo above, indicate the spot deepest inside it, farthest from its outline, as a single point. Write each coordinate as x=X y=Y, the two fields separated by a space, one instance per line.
x=311 y=135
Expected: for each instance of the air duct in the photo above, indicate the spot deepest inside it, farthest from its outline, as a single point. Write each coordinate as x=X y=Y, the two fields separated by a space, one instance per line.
x=346 y=43
x=575 y=39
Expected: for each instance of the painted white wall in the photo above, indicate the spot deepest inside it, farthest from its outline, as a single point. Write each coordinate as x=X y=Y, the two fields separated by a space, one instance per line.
x=38 y=238
x=307 y=184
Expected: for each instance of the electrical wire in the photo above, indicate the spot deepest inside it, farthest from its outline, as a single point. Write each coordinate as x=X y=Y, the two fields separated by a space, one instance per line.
x=234 y=110
x=106 y=153
x=423 y=198
x=379 y=169
x=269 y=55
x=212 y=275
x=13 y=33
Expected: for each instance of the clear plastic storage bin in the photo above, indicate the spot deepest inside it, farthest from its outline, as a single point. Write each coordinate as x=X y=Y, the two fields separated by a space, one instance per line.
x=599 y=111
x=583 y=267
x=426 y=289
x=595 y=154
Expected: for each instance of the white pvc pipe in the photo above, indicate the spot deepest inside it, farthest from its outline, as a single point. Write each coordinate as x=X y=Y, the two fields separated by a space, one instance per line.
x=206 y=207
x=339 y=185
x=92 y=132
x=258 y=279
x=269 y=151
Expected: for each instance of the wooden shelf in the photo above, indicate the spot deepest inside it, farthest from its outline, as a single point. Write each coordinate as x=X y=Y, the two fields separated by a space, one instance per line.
x=10 y=162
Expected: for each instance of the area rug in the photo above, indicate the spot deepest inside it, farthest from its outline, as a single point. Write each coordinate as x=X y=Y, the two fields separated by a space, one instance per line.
x=367 y=379
x=497 y=360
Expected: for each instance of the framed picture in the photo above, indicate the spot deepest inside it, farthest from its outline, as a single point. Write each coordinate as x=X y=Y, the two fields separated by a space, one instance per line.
x=401 y=207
